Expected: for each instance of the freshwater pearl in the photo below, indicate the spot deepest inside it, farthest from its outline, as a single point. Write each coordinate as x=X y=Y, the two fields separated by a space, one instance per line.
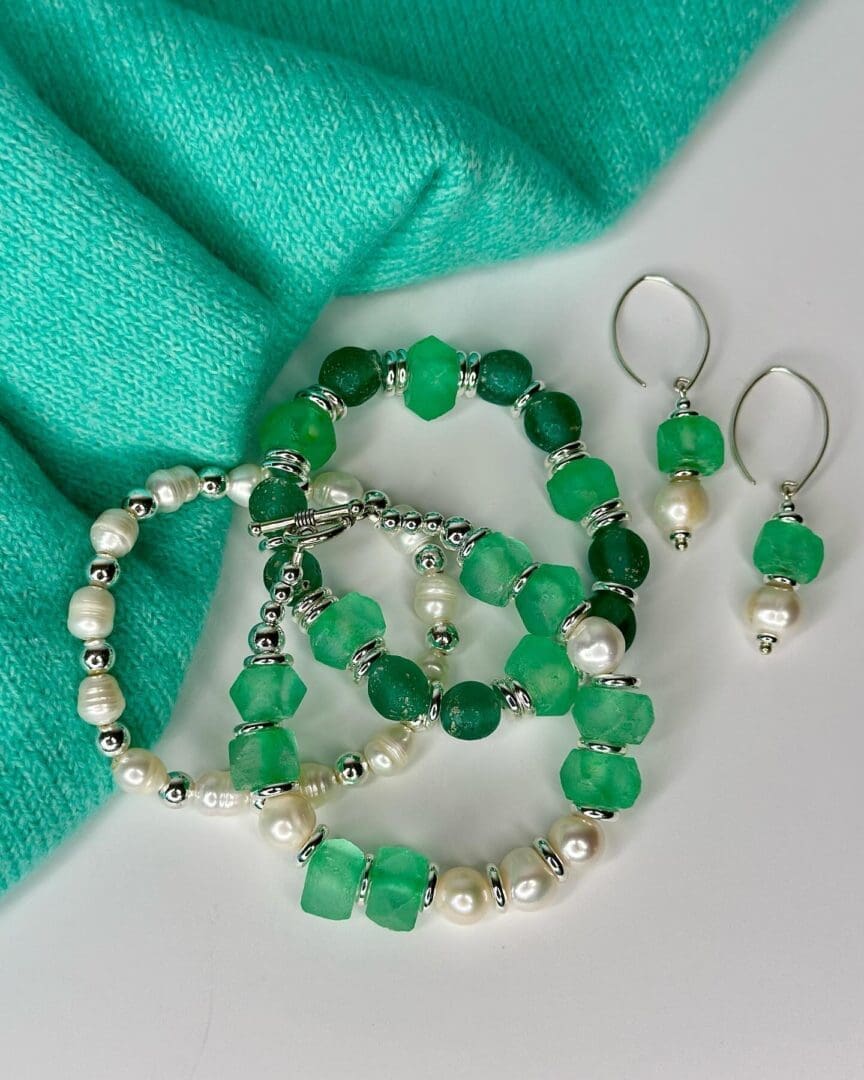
x=139 y=772
x=317 y=782
x=463 y=895
x=287 y=821
x=91 y=613
x=114 y=532
x=216 y=795
x=173 y=487
x=526 y=879
x=773 y=609
x=575 y=839
x=595 y=646
x=436 y=598
x=100 y=699
x=388 y=751
x=242 y=481
x=681 y=506
x=434 y=666
x=334 y=488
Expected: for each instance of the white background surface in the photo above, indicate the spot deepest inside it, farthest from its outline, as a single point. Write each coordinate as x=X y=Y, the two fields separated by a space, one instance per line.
x=722 y=934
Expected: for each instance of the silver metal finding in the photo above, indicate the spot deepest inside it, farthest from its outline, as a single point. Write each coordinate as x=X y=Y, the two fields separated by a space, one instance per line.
x=288 y=463
x=571 y=621
x=307 y=610
x=469 y=373
x=518 y=406
x=267 y=659
x=624 y=591
x=432 y=715
x=395 y=371
x=515 y=697
x=617 y=682
x=312 y=844
x=570 y=451
x=521 y=581
x=309 y=527
x=254 y=725
x=261 y=795
x=363 y=891
x=431 y=886
x=612 y=512
x=469 y=543
x=549 y=856
x=605 y=748
x=365 y=657
x=682 y=383
x=498 y=893
x=787 y=488
x=595 y=814
x=325 y=399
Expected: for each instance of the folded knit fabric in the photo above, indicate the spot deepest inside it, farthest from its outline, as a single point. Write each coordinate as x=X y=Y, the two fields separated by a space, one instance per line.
x=183 y=187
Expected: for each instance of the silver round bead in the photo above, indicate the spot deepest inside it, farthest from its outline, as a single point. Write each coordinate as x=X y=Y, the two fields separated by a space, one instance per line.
x=411 y=519
x=433 y=522
x=177 y=789
x=103 y=570
x=454 y=531
x=266 y=639
x=375 y=503
x=391 y=519
x=352 y=768
x=429 y=559
x=113 y=740
x=271 y=613
x=97 y=656
x=213 y=482
x=292 y=574
x=442 y=636
x=141 y=503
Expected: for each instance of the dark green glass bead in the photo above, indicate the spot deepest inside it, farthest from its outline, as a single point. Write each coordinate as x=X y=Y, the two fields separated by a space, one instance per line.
x=615 y=609
x=552 y=419
x=398 y=688
x=276 y=497
x=502 y=377
x=470 y=710
x=310 y=566
x=353 y=373
x=619 y=554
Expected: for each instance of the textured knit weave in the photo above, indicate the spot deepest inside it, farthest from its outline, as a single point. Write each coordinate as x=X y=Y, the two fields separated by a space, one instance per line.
x=182 y=188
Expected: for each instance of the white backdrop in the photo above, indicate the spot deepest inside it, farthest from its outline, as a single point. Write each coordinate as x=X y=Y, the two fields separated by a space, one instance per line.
x=721 y=936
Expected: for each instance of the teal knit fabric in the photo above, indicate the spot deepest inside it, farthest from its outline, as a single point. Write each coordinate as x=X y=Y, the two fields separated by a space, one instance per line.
x=183 y=187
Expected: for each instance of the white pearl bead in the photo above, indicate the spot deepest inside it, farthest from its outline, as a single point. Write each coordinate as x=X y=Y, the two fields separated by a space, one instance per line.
x=773 y=609
x=287 y=821
x=318 y=782
x=436 y=598
x=216 y=795
x=100 y=699
x=242 y=481
x=91 y=613
x=434 y=666
x=681 y=506
x=139 y=772
x=333 y=488
x=114 y=532
x=173 y=487
x=389 y=750
x=527 y=880
x=463 y=895
x=595 y=646
x=576 y=839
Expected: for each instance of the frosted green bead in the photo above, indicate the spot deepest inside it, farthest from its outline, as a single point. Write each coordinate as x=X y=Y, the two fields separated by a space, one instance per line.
x=333 y=877
x=262 y=758
x=615 y=609
x=689 y=441
x=397 y=884
x=433 y=378
x=552 y=419
x=301 y=426
x=789 y=549
x=607 y=714
x=276 y=497
x=342 y=628
x=493 y=565
x=590 y=778
x=310 y=566
x=398 y=688
x=502 y=376
x=470 y=710
x=354 y=374
x=542 y=666
x=267 y=692
x=619 y=554
x=580 y=485
x=548 y=597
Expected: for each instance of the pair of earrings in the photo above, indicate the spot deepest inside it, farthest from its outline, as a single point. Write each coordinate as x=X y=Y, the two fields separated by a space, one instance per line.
x=691 y=446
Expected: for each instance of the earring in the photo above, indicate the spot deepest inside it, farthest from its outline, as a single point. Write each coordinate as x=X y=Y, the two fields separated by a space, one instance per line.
x=689 y=445
x=787 y=552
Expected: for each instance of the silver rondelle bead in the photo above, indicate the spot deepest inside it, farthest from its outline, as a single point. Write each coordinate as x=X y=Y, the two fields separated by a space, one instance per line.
x=519 y=404
x=499 y=894
x=264 y=638
x=113 y=740
x=97 y=656
x=177 y=790
x=311 y=846
x=213 y=481
x=103 y=570
x=141 y=503
x=351 y=769
x=325 y=399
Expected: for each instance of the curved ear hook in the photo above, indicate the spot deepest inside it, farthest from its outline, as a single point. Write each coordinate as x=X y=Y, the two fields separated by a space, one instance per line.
x=787 y=487
x=682 y=384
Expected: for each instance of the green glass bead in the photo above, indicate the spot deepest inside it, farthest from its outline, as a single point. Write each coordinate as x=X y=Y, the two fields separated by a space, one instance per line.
x=542 y=666
x=267 y=692
x=301 y=426
x=552 y=419
x=310 y=566
x=619 y=554
x=615 y=609
x=493 y=565
x=433 y=378
x=263 y=758
x=333 y=877
x=502 y=376
x=607 y=714
x=548 y=597
x=580 y=485
x=470 y=710
x=789 y=549
x=689 y=441
x=342 y=628
x=354 y=374
x=276 y=497
x=397 y=885
x=590 y=778
x=398 y=688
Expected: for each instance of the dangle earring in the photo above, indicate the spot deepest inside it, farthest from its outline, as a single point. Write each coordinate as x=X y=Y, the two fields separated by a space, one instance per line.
x=689 y=445
x=787 y=552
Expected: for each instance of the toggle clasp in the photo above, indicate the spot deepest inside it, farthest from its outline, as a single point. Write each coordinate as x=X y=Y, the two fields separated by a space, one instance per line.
x=307 y=528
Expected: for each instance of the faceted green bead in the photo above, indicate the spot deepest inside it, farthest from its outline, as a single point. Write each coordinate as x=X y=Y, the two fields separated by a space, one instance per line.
x=607 y=714
x=580 y=485
x=615 y=609
x=275 y=497
x=470 y=710
x=310 y=566
x=354 y=374
x=433 y=378
x=266 y=692
x=493 y=565
x=502 y=377
x=542 y=666
x=548 y=597
x=301 y=426
x=397 y=885
x=619 y=554
x=689 y=441
x=552 y=419
x=398 y=688
x=590 y=778
x=789 y=549
x=333 y=877
x=342 y=628
x=262 y=758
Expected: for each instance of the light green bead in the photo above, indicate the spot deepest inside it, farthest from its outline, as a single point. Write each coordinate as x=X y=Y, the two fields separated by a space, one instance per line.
x=590 y=778
x=433 y=378
x=611 y=715
x=580 y=485
x=397 y=884
x=333 y=878
x=542 y=666
x=690 y=441
x=301 y=426
x=548 y=597
x=263 y=693
x=789 y=549
x=342 y=628
x=492 y=567
x=262 y=758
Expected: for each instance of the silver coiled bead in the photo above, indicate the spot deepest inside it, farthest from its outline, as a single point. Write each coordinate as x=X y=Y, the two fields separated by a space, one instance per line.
x=454 y=532
x=177 y=789
x=312 y=844
x=617 y=682
x=365 y=657
x=431 y=887
x=469 y=373
x=499 y=894
x=103 y=570
x=97 y=656
x=113 y=740
x=395 y=364
x=570 y=451
x=213 y=482
x=515 y=697
x=288 y=463
x=571 y=621
x=325 y=399
x=521 y=581
x=611 y=512
x=469 y=543
x=352 y=769
x=529 y=392
x=307 y=610
x=624 y=591
x=550 y=857
x=266 y=638
x=140 y=503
